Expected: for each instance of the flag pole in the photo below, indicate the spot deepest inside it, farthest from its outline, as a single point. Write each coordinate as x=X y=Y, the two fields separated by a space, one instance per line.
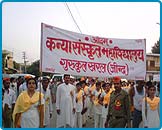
x=145 y=104
x=40 y=70
x=145 y=85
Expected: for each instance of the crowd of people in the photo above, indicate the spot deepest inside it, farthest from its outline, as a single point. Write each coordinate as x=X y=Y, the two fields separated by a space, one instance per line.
x=28 y=103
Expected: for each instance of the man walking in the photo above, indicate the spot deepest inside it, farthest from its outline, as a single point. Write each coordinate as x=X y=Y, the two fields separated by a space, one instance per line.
x=9 y=100
x=48 y=100
x=119 y=107
x=137 y=93
x=65 y=104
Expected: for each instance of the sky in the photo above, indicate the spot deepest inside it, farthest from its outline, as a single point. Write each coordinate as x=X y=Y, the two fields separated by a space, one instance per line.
x=21 y=23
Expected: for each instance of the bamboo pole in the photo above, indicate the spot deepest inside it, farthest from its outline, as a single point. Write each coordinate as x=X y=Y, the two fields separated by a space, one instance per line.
x=40 y=70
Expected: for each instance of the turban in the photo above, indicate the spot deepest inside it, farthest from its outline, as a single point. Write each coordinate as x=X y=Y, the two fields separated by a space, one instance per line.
x=6 y=79
x=27 y=77
x=116 y=79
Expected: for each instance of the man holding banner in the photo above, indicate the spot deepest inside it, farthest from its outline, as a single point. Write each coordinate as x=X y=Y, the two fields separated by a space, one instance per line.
x=86 y=55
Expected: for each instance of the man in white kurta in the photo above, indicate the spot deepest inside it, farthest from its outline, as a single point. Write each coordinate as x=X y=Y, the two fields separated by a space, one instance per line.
x=65 y=104
x=79 y=105
x=22 y=87
x=48 y=101
x=9 y=99
x=13 y=85
x=97 y=106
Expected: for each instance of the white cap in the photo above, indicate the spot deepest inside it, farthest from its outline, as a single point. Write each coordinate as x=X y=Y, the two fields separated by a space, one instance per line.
x=72 y=77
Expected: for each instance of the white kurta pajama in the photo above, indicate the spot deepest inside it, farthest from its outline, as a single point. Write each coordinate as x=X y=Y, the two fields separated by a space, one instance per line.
x=97 y=110
x=9 y=98
x=10 y=94
x=86 y=104
x=65 y=102
x=48 y=106
x=105 y=107
x=79 y=107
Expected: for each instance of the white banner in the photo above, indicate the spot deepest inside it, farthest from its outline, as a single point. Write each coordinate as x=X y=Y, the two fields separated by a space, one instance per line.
x=64 y=51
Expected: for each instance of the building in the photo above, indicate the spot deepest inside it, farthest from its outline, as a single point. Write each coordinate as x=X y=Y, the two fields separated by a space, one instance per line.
x=8 y=66
x=152 y=66
x=8 y=58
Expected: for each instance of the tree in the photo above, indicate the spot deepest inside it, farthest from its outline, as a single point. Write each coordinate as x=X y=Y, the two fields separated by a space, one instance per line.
x=156 y=48
x=34 y=69
x=16 y=65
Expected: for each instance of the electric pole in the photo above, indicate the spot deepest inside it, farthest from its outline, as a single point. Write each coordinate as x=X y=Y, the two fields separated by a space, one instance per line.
x=24 y=58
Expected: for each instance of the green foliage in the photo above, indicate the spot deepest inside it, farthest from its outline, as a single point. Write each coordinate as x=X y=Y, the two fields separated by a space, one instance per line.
x=16 y=65
x=34 y=68
x=156 y=48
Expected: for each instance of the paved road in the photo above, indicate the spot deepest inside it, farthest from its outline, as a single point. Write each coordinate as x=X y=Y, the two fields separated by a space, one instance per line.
x=89 y=124
x=53 y=119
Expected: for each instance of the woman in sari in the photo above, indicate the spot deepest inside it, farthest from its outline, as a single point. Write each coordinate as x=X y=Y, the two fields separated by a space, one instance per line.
x=29 y=107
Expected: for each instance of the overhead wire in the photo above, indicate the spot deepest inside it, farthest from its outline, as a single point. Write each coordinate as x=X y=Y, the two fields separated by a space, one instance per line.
x=80 y=17
x=72 y=17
